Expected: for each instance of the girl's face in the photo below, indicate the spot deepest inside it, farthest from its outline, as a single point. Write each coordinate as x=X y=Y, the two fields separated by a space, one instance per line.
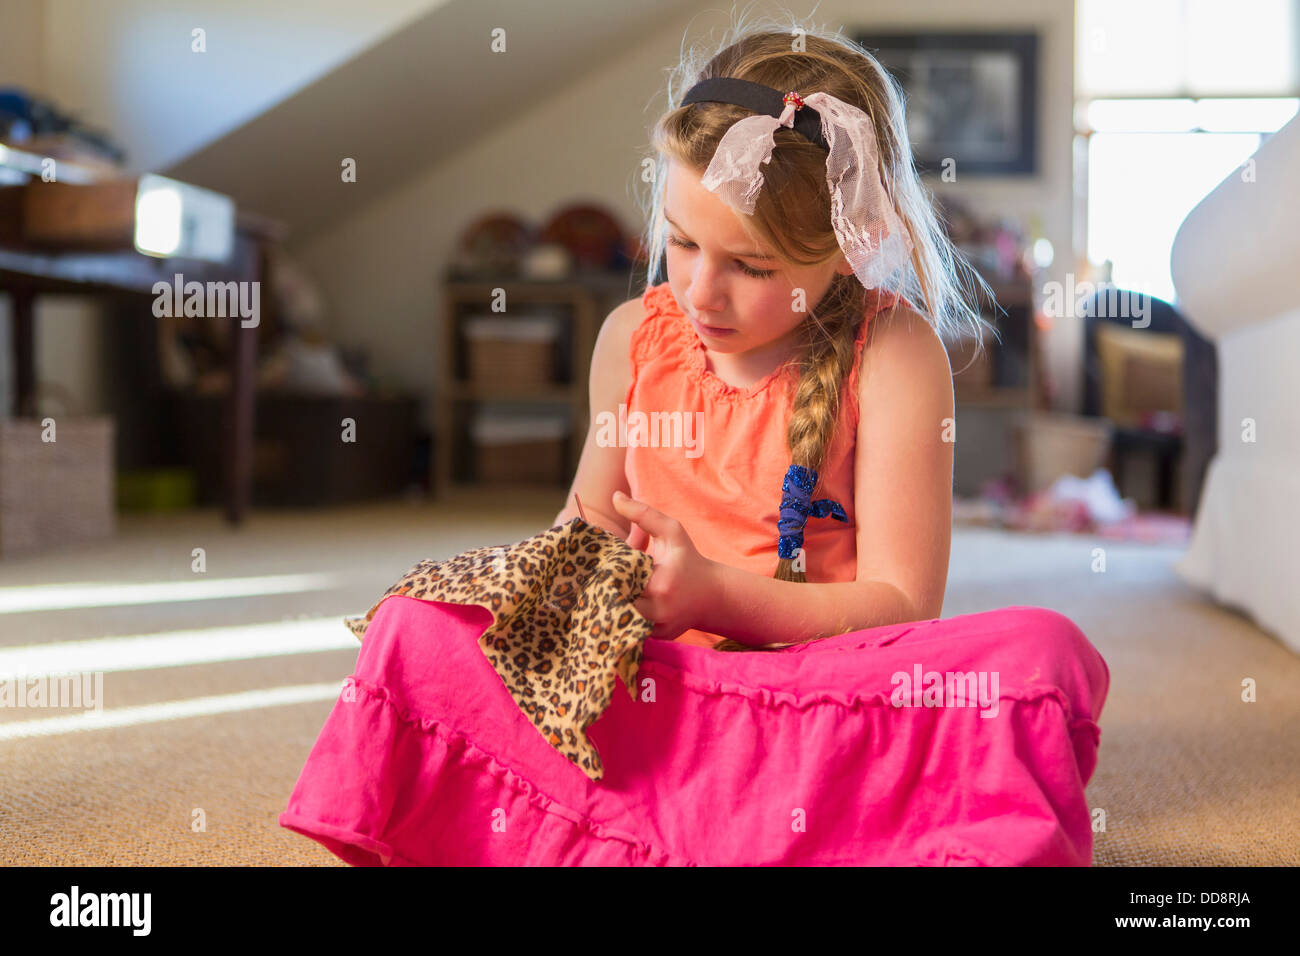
x=722 y=278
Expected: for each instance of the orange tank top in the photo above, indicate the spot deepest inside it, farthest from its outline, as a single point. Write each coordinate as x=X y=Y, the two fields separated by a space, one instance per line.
x=717 y=467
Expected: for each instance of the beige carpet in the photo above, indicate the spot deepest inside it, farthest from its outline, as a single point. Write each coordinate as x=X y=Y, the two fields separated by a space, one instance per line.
x=1188 y=773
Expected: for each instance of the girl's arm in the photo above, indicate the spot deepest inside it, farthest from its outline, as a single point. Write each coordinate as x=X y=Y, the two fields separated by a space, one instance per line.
x=753 y=609
x=601 y=469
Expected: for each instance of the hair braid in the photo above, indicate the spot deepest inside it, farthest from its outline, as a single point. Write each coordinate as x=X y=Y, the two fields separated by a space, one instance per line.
x=825 y=362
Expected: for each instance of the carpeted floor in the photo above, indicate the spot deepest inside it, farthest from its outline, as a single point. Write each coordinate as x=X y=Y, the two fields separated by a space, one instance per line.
x=1188 y=772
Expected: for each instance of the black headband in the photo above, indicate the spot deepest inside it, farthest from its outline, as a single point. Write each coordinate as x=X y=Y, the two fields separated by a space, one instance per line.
x=760 y=99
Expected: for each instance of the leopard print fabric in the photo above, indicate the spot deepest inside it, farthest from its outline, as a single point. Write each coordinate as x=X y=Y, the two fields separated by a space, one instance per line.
x=564 y=624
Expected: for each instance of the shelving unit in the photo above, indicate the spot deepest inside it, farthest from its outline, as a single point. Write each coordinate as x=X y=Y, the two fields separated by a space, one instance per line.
x=581 y=302
x=991 y=417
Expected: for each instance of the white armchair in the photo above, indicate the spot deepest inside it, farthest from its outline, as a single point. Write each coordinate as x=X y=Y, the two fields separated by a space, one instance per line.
x=1236 y=268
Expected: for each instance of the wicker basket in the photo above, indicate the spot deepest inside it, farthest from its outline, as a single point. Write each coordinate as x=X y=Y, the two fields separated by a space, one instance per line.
x=520 y=351
x=55 y=493
x=1054 y=444
x=520 y=451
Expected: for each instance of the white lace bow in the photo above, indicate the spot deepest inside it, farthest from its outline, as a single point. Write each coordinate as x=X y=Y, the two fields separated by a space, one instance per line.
x=870 y=233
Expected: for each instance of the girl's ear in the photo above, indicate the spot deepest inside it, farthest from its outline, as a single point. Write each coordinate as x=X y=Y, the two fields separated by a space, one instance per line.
x=843 y=268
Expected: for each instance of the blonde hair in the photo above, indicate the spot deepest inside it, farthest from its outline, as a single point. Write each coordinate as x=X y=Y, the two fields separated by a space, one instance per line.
x=792 y=213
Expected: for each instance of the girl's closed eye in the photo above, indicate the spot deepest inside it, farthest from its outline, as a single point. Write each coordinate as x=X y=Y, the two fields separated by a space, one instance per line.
x=754 y=273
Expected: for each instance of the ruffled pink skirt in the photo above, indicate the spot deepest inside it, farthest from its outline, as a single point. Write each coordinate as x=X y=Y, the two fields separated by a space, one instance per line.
x=961 y=741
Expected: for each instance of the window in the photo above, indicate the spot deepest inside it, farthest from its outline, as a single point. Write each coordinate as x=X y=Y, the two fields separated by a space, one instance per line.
x=1173 y=96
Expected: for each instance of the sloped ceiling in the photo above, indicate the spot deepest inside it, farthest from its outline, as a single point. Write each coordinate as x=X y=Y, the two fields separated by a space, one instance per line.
x=411 y=100
x=135 y=71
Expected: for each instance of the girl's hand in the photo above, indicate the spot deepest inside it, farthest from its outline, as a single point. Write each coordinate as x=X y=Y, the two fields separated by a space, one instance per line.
x=683 y=583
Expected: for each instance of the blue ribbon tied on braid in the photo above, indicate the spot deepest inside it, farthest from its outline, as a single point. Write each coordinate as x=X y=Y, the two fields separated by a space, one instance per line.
x=797 y=507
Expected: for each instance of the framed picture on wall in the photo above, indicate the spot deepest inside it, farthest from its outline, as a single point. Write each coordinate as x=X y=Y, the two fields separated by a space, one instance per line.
x=971 y=97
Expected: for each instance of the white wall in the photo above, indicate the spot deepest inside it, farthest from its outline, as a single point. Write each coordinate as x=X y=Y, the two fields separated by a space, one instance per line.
x=127 y=65
x=20 y=56
x=380 y=268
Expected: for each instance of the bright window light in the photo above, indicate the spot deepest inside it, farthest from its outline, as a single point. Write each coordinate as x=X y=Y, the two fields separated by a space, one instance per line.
x=1140 y=188
x=158 y=220
x=1172 y=97
x=1190 y=48
x=1245 y=116
x=1147 y=116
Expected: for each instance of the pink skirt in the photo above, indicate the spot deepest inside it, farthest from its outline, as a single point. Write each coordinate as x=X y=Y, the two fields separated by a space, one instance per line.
x=961 y=741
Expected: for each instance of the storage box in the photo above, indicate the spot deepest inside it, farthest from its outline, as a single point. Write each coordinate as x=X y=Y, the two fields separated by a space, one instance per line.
x=55 y=493
x=520 y=450
x=517 y=351
x=81 y=215
x=1052 y=444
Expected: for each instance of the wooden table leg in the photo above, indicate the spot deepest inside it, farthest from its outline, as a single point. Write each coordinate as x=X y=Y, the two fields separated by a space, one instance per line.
x=240 y=411
x=239 y=429
x=24 y=351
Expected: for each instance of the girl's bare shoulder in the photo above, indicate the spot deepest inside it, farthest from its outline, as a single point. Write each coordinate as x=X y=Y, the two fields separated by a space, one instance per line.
x=611 y=360
x=904 y=355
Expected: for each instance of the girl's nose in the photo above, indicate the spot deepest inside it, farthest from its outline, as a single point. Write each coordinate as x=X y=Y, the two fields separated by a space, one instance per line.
x=706 y=289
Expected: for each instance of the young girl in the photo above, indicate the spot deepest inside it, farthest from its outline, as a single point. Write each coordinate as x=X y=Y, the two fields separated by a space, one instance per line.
x=787 y=326
x=808 y=287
